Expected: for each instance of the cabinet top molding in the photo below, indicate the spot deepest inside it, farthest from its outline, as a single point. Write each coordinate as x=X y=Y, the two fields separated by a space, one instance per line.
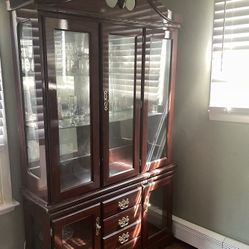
x=148 y=12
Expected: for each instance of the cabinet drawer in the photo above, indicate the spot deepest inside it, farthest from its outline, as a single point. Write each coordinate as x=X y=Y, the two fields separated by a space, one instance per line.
x=122 y=238
x=134 y=244
x=121 y=202
x=122 y=220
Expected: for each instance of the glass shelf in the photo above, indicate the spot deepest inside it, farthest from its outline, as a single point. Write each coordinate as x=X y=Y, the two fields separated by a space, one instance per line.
x=74 y=122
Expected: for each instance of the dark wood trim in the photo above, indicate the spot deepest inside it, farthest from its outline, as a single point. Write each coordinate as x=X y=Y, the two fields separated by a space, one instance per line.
x=147 y=166
x=101 y=194
x=35 y=215
x=30 y=180
x=174 y=38
x=52 y=23
x=166 y=182
x=92 y=212
x=137 y=33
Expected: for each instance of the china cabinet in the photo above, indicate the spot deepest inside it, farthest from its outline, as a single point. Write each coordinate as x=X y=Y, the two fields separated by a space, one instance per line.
x=95 y=92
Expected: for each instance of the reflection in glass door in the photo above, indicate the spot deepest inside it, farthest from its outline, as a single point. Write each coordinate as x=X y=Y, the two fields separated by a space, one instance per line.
x=121 y=98
x=79 y=230
x=73 y=94
x=31 y=98
x=78 y=235
x=73 y=101
x=122 y=63
x=157 y=211
x=157 y=117
x=156 y=96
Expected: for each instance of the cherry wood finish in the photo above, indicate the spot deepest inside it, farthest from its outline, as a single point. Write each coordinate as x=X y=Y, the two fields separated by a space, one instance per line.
x=136 y=33
x=123 y=237
x=115 y=205
x=171 y=36
x=121 y=220
x=134 y=244
x=93 y=236
x=122 y=202
x=152 y=235
x=52 y=24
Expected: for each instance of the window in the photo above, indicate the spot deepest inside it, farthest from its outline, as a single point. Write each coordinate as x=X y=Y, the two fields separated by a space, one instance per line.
x=6 y=202
x=229 y=93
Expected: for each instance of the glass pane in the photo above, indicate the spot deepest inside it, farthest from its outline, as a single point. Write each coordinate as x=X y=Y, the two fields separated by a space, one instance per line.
x=78 y=235
x=156 y=95
x=121 y=97
x=157 y=211
x=33 y=98
x=73 y=100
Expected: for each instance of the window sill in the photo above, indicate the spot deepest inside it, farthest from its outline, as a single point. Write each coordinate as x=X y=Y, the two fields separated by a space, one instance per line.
x=8 y=207
x=235 y=115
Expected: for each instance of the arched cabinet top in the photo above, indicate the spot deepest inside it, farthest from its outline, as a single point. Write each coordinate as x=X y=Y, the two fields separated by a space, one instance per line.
x=145 y=12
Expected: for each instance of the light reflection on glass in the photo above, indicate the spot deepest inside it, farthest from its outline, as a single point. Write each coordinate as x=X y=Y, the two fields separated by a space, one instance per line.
x=121 y=96
x=156 y=97
x=73 y=105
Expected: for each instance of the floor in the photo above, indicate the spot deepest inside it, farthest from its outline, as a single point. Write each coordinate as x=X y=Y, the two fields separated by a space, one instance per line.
x=177 y=244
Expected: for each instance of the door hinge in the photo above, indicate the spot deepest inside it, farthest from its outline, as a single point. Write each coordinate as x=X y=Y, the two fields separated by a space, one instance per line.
x=51 y=232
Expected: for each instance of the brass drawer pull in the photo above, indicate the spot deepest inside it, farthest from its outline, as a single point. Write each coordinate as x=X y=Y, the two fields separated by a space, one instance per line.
x=123 y=238
x=98 y=227
x=124 y=221
x=123 y=204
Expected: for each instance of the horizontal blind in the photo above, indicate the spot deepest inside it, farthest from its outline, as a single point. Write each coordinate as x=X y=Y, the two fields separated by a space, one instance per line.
x=230 y=78
x=231 y=25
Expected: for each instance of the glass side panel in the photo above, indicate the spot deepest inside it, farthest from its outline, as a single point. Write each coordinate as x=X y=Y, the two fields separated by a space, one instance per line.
x=157 y=211
x=73 y=101
x=33 y=99
x=121 y=102
x=78 y=235
x=156 y=95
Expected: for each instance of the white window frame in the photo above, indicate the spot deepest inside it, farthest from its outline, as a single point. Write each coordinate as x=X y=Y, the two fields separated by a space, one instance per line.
x=226 y=112
x=7 y=203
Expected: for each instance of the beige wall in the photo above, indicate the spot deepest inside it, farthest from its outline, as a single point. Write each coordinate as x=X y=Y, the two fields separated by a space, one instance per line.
x=212 y=182
x=11 y=224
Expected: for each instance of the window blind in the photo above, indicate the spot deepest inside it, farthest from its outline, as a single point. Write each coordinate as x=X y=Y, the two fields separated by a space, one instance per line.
x=230 y=57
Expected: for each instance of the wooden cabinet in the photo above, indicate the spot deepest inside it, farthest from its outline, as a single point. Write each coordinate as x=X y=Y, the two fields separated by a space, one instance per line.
x=78 y=230
x=95 y=92
x=157 y=212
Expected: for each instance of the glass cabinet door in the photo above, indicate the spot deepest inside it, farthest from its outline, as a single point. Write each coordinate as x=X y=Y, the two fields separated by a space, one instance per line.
x=122 y=48
x=79 y=230
x=72 y=50
x=33 y=107
x=157 y=96
x=157 y=212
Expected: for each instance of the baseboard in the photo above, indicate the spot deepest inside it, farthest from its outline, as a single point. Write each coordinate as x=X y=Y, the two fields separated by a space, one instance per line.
x=202 y=238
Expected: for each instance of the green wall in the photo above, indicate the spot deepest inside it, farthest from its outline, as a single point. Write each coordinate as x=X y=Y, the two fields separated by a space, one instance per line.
x=11 y=224
x=212 y=182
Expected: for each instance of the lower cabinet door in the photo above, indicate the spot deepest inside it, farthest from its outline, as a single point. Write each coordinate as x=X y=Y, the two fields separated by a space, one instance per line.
x=157 y=213
x=79 y=230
